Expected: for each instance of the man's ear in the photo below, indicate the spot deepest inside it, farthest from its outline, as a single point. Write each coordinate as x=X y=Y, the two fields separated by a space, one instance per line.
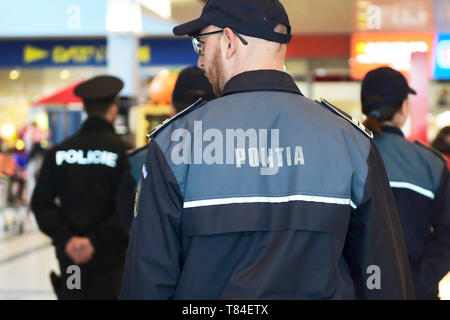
x=231 y=42
x=112 y=112
x=405 y=107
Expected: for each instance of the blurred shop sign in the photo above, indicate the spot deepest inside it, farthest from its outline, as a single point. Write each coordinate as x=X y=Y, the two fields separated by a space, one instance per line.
x=373 y=50
x=442 y=61
x=315 y=46
x=91 y=52
x=393 y=15
x=442 y=14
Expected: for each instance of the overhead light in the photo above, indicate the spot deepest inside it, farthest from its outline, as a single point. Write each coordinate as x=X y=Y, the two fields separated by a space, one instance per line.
x=64 y=74
x=7 y=131
x=14 y=75
x=161 y=7
x=321 y=73
x=20 y=145
x=124 y=16
x=42 y=120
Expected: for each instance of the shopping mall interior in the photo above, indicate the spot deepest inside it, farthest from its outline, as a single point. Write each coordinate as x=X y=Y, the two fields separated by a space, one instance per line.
x=48 y=47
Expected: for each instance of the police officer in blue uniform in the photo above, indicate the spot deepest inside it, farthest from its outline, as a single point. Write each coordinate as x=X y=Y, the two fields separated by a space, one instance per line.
x=261 y=193
x=74 y=198
x=418 y=176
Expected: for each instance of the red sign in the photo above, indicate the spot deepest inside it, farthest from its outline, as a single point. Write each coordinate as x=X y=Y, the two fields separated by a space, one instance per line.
x=323 y=46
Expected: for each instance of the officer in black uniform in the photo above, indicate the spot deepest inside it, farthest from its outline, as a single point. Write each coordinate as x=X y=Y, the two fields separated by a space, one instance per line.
x=74 y=198
x=418 y=176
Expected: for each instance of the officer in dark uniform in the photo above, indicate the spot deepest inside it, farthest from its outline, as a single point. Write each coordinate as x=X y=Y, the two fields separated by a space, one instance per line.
x=418 y=176
x=261 y=193
x=74 y=197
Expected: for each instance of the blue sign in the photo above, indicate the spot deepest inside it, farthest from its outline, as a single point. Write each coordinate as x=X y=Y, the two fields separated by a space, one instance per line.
x=442 y=58
x=90 y=52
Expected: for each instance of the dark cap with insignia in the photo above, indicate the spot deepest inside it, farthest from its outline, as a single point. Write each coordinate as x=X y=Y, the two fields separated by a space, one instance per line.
x=383 y=89
x=254 y=18
x=99 y=89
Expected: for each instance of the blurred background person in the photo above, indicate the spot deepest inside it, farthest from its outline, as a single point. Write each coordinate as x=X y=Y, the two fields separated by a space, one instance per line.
x=74 y=197
x=190 y=86
x=442 y=143
x=418 y=177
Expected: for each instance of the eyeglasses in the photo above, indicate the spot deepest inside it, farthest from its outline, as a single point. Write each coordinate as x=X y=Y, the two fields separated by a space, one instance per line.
x=199 y=46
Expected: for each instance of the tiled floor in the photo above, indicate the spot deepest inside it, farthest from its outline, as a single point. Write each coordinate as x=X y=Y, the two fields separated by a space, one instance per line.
x=27 y=259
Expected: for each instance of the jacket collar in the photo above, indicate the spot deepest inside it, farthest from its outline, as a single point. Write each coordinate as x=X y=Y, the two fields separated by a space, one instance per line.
x=261 y=80
x=394 y=130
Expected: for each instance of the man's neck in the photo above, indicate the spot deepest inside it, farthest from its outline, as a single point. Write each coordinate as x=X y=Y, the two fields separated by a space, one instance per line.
x=247 y=68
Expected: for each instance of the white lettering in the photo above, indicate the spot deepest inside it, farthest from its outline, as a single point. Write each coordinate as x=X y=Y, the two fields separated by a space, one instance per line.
x=288 y=156
x=240 y=157
x=105 y=158
x=216 y=146
x=253 y=157
x=198 y=142
x=74 y=280
x=183 y=147
x=298 y=157
x=374 y=281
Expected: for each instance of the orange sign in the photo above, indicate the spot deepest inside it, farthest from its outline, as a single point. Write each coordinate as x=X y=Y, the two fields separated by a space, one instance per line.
x=373 y=50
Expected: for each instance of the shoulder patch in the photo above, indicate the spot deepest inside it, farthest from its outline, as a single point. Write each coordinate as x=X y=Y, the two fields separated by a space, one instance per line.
x=436 y=152
x=200 y=102
x=347 y=117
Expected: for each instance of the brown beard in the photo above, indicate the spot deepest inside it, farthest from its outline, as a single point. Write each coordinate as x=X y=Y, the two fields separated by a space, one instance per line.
x=215 y=73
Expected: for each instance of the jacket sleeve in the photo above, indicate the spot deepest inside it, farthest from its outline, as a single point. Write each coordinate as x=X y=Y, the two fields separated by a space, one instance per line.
x=43 y=203
x=375 y=247
x=125 y=198
x=435 y=261
x=112 y=231
x=154 y=256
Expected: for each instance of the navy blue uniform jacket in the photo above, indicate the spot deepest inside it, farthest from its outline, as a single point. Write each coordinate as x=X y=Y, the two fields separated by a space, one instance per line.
x=264 y=194
x=420 y=182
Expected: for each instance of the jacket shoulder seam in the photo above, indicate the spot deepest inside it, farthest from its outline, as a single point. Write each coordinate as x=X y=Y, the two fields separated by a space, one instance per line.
x=432 y=150
x=189 y=109
x=347 y=117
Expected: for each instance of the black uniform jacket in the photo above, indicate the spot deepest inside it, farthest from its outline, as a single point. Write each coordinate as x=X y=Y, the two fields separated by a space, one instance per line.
x=420 y=181
x=74 y=194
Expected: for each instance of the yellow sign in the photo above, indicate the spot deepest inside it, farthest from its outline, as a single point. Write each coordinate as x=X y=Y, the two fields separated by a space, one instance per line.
x=32 y=54
x=144 y=54
x=77 y=54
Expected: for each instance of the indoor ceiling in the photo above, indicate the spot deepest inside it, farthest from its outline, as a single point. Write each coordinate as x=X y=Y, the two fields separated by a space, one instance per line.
x=306 y=16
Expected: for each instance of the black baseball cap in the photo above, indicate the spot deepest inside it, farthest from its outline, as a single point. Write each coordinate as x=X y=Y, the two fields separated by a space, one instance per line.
x=383 y=88
x=99 y=88
x=254 y=18
x=191 y=85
